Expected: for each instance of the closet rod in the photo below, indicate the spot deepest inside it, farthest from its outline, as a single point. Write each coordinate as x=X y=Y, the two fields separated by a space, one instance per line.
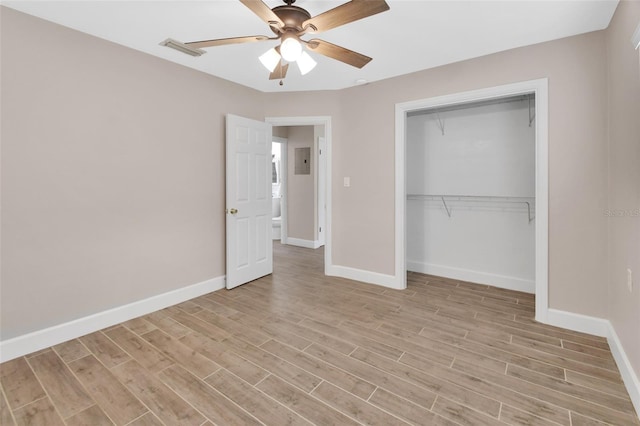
x=446 y=108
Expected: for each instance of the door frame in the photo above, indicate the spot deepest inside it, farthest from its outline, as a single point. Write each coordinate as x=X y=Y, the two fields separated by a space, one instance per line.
x=283 y=186
x=540 y=88
x=320 y=146
x=316 y=121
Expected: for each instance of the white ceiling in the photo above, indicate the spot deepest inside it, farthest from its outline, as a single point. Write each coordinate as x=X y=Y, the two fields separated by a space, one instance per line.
x=411 y=36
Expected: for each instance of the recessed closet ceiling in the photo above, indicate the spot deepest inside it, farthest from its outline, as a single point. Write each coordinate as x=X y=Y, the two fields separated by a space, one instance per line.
x=412 y=36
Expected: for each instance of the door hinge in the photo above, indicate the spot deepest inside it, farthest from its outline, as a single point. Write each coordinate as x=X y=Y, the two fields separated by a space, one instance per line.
x=320 y=230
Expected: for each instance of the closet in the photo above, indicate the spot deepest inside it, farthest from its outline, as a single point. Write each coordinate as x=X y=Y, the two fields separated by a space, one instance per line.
x=470 y=182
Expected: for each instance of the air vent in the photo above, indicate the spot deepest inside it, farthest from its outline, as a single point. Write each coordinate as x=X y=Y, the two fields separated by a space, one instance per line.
x=181 y=47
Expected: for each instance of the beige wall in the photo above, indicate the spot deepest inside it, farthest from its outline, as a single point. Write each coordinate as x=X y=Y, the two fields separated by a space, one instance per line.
x=112 y=174
x=280 y=131
x=363 y=149
x=300 y=188
x=624 y=177
x=113 y=177
x=577 y=149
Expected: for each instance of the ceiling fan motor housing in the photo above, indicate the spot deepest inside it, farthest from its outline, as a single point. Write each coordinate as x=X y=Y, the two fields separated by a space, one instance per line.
x=293 y=17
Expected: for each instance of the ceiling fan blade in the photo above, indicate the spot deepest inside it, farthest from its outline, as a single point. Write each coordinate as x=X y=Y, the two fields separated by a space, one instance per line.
x=223 y=41
x=264 y=12
x=279 y=72
x=343 y=14
x=347 y=56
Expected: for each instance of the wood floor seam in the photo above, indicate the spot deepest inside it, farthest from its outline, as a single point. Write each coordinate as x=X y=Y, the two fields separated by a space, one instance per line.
x=47 y=396
x=30 y=402
x=300 y=348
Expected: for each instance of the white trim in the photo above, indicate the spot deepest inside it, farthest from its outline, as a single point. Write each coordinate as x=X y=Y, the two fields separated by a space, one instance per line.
x=578 y=322
x=284 y=193
x=321 y=163
x=401 y=195
x=542 y=199
x=603 y=328
x=540 y=88
x=283 y=186
x=315 y=121
x=31 y=342
x=496 y=280
x=629 y=376
x=363 y=276
x=303 y=243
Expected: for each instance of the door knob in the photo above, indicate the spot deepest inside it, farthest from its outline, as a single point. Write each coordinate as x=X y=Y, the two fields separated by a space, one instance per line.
x=233 y=211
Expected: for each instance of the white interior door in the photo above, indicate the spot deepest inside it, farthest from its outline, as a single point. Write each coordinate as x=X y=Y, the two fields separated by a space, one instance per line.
x=248 y=210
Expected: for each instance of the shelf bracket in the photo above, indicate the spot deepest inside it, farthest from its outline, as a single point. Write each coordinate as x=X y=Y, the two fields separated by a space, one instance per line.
x=440 y=123
x=531 y=117
x=444 y=203
x=529 y=211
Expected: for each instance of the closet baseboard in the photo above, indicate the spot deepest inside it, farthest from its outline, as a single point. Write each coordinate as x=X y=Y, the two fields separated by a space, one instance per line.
x=496 y=280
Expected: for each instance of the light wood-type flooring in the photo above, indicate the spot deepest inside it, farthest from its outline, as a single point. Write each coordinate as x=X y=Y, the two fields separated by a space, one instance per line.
x=301 y=348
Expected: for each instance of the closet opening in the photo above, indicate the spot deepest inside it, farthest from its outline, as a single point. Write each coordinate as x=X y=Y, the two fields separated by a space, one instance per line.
x=471 y=192
x=472 y=188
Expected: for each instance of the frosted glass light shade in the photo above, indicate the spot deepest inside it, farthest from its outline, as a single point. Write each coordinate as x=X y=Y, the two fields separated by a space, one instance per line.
x=306 y=63
x=291 y=49
x=270 y=59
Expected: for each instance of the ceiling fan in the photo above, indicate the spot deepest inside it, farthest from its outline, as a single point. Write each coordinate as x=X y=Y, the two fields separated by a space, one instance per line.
x=290 y=23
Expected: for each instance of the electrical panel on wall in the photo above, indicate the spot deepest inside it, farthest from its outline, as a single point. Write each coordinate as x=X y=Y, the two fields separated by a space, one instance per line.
x=302 y=159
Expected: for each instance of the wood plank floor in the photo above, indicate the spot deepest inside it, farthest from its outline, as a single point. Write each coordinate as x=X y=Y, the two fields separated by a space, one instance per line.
x=300 y=348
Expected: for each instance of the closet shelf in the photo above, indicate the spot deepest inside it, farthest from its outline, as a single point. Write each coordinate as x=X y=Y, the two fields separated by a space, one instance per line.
x=453 y=199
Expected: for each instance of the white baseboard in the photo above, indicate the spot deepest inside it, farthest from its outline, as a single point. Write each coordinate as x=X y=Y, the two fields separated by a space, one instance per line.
x=603 y=328
x=303 y=243
x=496 y=280
x=364 y=276
x=627 y=372
x=577 y=322
x=31 y=342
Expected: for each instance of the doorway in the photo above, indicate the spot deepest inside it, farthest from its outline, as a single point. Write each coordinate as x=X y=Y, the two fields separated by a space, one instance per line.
x=279 y=170
x=307 y=169
x=539 y=88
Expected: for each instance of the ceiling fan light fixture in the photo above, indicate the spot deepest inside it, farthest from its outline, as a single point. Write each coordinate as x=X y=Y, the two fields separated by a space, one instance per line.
x=270 y=59
x=306 y=63
x=290 y=49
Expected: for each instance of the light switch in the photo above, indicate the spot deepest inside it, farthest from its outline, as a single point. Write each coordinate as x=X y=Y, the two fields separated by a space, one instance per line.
x=347 y=181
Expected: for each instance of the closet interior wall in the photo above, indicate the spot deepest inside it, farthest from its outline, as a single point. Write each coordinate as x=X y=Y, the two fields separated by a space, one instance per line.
x=471 y=193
